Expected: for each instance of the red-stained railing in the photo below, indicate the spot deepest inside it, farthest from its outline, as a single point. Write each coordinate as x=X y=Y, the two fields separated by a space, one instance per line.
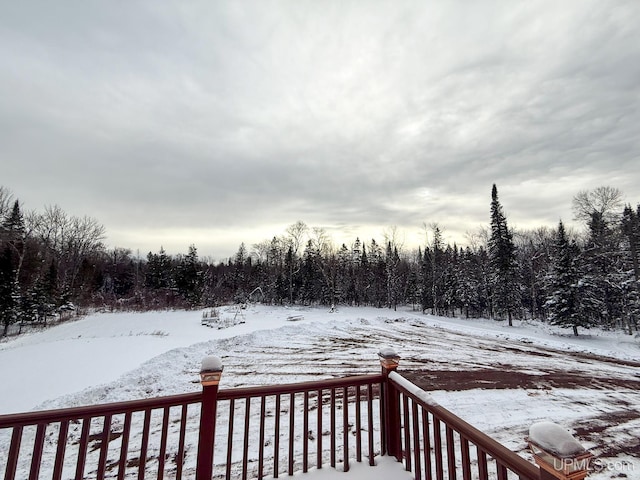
x=256 y=432
x=275 y=430
x=117 y=440
x=435 y=444
x=260 y=431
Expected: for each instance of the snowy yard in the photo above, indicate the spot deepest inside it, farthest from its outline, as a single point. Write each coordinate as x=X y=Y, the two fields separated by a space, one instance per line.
x=500 y=379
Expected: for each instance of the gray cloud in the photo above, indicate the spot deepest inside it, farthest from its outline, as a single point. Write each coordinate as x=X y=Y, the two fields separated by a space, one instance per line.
x=181 y=123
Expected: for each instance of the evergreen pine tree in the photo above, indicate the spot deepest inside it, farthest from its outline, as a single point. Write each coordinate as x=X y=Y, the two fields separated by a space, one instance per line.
x=631 y=255
x=563 y=303
x=158 y=275
x=469 y=282
x=631 y=232
x=9 y=290
x=601 y=300
x=188 y=277
x=505 y=298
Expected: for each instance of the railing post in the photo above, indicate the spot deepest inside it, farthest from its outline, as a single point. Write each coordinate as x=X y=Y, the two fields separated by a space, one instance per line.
x=558 y=454
x=389 y=361
x=210 y=373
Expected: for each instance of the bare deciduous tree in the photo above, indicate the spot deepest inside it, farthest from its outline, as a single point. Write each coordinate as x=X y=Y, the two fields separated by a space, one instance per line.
x=296 y=232
x=6 y=199
x=68 y=239
x=605 y=200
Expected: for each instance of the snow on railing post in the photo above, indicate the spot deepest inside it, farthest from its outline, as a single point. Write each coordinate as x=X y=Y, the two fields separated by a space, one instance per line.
x=210 y=373
x=558 y=454
x=389 y=361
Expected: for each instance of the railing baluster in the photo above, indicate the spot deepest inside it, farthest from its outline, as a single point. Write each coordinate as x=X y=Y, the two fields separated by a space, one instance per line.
x=416 y=441
x=466 y=458
x=345 y=428
x=245 y=448
x=292 y=413
x=333 y=427
x=163 y=443
x=36 y=457
x=501 y=471
x=142 y=465
x=14 y=451
x=104 y=447
x=407 y=433
x=60 y=450
x=232 y=409
x=319 y=432
x=384 y=448
x=451 y=453
x=305 y=433
x=261 y=437
x=370 y=424
x=276 y=446
x=358 y=427
x=483 y=471
x=82 y=448
x=181 y=439
x=437 y=446
x=124 y=446
x=427 y=444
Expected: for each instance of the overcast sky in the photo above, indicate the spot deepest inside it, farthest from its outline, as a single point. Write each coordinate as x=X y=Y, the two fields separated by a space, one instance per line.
x=215 y=123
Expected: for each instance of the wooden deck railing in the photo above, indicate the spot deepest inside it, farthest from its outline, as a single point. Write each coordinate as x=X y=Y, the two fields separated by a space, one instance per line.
x=101 y=441
x=283 y=429
x=256 y=432
x=436 y=444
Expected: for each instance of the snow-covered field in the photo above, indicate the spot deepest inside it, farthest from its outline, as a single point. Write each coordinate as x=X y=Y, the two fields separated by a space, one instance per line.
x=500 y=379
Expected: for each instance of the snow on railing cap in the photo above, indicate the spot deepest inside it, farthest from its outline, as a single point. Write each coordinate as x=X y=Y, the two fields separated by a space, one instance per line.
x=388 y=353
x=211 y=364
x=555 y=440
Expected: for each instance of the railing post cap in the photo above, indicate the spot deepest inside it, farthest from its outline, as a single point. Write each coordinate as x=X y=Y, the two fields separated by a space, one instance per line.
x=211 y=370
x=389 y=359
x=388 y=353
x=211 y=363
x=558 y=452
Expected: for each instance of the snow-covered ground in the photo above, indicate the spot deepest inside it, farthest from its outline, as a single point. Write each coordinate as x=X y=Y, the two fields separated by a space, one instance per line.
x=523 y=374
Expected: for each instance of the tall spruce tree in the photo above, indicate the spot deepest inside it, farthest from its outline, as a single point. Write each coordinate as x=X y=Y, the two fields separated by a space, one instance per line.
x=631 y=252
x=631 y=232
x=563 y=303
x=505 y=296
x=600 y=285
x=9 y=291
x=188 y=277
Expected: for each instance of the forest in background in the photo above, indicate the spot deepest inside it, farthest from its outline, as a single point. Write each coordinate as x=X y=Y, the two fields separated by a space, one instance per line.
x=51 y=263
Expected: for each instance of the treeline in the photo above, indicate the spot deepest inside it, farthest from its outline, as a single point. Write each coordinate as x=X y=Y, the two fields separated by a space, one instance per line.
x=51 y=262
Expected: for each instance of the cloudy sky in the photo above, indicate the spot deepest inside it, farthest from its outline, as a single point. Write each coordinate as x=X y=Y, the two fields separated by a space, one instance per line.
x=215 y=123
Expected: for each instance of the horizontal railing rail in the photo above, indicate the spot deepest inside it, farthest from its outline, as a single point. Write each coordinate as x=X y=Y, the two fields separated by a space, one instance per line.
x=61 y=414
x=244 y=392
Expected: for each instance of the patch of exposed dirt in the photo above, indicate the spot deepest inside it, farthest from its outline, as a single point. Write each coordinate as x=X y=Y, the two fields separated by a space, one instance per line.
x=614 y=433
x=508 y=377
